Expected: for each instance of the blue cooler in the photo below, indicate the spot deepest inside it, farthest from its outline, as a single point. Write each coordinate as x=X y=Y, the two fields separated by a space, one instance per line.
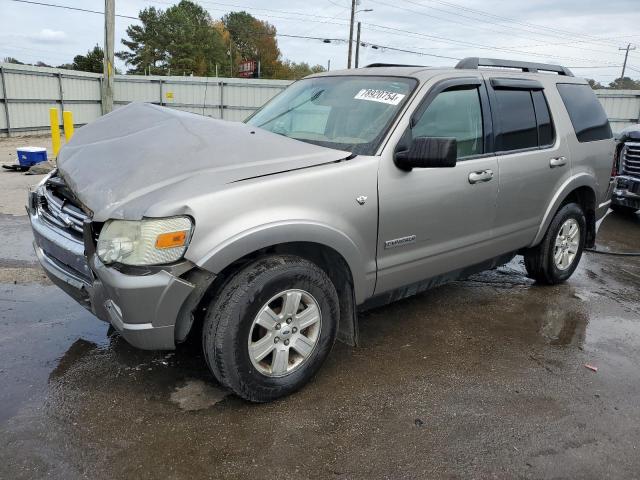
x=28 y=156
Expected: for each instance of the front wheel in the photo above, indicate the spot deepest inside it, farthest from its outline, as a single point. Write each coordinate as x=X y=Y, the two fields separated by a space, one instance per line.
x=555 y=259
x=271 y=327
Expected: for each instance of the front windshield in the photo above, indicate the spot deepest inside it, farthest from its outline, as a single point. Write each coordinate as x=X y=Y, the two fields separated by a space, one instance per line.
x=345 y=112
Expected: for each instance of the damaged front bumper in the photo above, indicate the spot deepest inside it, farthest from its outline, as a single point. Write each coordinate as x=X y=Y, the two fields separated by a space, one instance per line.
x=143 y=308
x=627 y=192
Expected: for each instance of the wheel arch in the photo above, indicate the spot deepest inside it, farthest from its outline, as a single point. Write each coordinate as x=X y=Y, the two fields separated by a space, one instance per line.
x=580 y=189
x=347 y=276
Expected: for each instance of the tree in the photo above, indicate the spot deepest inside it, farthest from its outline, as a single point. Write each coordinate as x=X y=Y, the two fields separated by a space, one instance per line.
x=91 y=62
x=180 y=40
x=594 y=84
x=147 y=43
x=625 y=83
x=253 y=39
x=194 y=45
x=293 y=71
x=12 y=60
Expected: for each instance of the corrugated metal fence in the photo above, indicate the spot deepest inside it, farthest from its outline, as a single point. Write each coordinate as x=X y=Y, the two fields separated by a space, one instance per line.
x=27 y=93
x=622 y=107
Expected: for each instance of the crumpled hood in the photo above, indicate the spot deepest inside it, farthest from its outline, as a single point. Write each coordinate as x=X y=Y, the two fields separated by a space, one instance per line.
x=141 y=148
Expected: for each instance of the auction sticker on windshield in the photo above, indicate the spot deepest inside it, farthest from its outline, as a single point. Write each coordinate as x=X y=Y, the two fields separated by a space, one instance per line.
x=381 y=96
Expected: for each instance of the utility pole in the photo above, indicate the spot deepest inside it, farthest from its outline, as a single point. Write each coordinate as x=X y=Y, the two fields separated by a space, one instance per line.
x=358 y=45
x=626 y=55
x=107 y=64
x=329 y=65
x=353 y=15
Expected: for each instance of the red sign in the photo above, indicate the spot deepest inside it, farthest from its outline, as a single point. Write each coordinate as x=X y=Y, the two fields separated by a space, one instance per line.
x=248 y=69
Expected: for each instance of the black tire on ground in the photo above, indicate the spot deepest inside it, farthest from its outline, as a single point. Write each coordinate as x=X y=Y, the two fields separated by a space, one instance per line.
x=623 y=209
x=230 y=317
x=539 y=260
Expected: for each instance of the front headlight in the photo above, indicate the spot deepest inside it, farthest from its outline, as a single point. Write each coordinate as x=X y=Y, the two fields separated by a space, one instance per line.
x=144 y=242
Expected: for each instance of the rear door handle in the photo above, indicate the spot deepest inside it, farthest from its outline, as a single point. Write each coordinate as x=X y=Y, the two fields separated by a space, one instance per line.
x=481 y=176
x=557 y=162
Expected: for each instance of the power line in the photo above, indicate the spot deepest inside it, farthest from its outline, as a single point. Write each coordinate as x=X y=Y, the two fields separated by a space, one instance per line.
x=70 y=8
x=475 y=25
x=402 y=32
x=557 y=32
x=286 y=12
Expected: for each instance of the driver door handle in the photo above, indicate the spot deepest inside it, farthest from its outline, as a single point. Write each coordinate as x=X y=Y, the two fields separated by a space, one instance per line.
x=557 y=162
x=481 y=176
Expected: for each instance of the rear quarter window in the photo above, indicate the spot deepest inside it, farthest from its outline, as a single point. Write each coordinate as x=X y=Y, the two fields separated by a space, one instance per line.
x=589 y=119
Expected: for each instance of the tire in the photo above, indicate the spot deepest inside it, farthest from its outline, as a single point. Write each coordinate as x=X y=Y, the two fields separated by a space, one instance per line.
x=230 y=327
x=623 y=209
x=539 y=260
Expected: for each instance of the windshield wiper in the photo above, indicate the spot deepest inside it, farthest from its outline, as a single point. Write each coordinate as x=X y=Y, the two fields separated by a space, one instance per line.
x=313 y=97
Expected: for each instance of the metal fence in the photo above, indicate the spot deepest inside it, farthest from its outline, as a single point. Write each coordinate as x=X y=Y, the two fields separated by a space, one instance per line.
x=27 y=93
x=622 y=107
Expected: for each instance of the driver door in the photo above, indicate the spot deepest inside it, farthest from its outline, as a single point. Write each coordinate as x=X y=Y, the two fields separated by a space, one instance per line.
x=433 y=221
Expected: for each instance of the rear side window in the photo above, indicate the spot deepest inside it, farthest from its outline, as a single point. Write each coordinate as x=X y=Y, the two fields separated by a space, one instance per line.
x=518 y=128
x=546 y=133
x=587 y=115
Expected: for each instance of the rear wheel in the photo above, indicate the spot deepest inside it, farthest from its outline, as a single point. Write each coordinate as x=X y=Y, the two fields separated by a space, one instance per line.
x=271 y=327
x=555 y=259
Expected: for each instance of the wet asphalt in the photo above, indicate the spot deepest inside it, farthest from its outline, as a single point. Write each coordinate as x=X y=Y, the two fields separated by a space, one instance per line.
x=483 y=378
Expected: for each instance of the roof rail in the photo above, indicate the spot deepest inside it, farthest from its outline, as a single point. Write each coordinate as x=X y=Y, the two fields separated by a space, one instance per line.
x=474 y=62
x=379 y=65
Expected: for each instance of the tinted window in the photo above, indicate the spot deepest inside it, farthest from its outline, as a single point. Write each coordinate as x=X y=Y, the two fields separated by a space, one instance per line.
x=454 y=113
x=517 y=119
x=546 y=133
x=587 y=115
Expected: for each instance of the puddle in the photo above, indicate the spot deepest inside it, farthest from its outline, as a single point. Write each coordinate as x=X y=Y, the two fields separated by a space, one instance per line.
x=197 y=395
x=41 y=328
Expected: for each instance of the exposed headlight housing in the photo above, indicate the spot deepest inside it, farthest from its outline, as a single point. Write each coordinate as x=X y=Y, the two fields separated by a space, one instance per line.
x=151 y=241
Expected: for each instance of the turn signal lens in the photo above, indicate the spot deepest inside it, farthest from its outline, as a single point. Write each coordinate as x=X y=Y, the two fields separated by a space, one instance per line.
x=171 y=239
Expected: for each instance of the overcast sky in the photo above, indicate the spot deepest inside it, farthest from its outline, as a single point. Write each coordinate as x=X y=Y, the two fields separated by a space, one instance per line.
x=575 y=33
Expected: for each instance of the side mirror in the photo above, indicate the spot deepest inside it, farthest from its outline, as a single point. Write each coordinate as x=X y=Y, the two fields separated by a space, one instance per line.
x=428 y=152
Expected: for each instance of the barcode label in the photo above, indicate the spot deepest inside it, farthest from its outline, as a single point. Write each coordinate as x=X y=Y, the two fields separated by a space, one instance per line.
x=381 y=96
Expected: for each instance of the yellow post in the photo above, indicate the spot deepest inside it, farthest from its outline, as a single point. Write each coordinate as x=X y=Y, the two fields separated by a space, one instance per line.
x=55 y=130
x=67 y=121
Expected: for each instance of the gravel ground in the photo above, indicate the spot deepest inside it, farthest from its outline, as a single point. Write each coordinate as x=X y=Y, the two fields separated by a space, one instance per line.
x=483 y=378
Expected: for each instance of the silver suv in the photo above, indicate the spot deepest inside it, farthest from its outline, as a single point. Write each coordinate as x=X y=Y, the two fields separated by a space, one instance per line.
x=348 y=190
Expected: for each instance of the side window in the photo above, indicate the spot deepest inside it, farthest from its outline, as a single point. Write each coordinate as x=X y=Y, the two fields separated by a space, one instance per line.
x=517 y=118
x=587 y=115
x=546 y=132
x=454 y=113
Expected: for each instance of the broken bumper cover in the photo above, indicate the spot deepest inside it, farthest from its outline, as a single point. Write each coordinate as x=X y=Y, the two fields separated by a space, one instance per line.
x=143 y=308
x=627 y=192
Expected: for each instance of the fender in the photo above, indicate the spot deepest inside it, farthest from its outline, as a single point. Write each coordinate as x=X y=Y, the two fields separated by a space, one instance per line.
x=275 y=233
x=573 y=182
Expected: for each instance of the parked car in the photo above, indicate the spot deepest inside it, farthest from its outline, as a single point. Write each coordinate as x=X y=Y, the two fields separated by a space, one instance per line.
x=626 y=194
x=348 y=190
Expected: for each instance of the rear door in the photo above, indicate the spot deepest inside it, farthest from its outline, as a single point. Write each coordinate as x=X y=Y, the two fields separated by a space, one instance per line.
x=533 y=159
x=437 y=220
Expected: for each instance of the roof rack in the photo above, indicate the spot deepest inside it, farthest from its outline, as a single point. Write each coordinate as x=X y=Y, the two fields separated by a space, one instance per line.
x=379 y=65
x=474 y=62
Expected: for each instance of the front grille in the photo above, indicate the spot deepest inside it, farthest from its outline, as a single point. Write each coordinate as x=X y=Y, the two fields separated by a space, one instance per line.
x=57 y=207
x=631 y=159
